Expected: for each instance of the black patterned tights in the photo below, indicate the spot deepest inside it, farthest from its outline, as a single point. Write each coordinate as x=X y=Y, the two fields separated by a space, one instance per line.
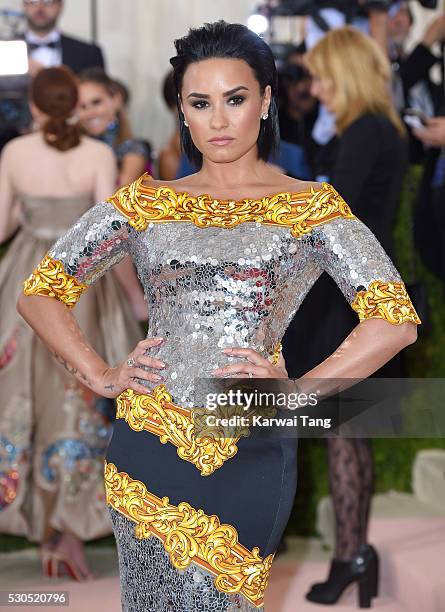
x=351 y=481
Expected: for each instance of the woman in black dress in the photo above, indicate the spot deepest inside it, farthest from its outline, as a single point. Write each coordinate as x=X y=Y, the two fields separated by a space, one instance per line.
x=351 y=78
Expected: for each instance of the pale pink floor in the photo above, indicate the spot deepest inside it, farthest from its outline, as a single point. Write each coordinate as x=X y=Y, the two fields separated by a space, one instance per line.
x=412 y=553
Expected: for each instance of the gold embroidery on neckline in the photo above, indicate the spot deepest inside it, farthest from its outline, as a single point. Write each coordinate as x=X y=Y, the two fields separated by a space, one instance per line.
x=143 y=205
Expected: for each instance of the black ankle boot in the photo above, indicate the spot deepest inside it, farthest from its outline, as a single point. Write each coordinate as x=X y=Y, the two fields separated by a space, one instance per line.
x=363 y=568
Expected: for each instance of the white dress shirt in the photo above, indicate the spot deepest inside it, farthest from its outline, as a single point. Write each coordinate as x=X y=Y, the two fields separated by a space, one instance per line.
x=46 y=56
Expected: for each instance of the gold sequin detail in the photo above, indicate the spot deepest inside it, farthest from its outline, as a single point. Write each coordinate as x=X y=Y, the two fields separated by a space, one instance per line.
x=51 y=280
x=190 y=536
x=155 y=412
x=275 y=357
x=385 y=300
x=142 y=205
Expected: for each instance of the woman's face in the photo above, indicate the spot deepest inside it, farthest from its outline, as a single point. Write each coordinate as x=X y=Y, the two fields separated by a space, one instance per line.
x=97 y=108
x=323 y=89
x=223 y=104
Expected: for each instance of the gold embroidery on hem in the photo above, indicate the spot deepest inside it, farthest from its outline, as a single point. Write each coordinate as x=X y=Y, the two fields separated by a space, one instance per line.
x=385 y=300
x=155 y=412
x=190 y=536
x=50 y=279
x=142 y=205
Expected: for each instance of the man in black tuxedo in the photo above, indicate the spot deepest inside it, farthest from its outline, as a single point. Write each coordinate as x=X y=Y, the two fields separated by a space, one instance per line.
x=48 y=47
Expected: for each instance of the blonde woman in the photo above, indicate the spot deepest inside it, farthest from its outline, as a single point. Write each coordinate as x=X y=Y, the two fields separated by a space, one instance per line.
x=351 y=77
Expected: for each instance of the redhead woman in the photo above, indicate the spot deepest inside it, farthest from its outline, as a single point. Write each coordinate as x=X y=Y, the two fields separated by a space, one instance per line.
x=54 y=428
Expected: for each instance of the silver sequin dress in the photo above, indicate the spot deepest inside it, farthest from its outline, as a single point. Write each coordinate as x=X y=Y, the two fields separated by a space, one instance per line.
x=197 y=520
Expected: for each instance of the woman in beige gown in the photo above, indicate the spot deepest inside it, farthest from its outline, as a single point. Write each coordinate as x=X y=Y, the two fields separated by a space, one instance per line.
x=53 y=430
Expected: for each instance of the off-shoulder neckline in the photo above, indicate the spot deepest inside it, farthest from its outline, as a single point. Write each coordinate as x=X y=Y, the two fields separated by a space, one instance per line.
x=294 y=195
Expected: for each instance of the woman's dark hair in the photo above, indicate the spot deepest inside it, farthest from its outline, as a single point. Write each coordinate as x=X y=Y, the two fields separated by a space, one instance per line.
x=99 y=77
x=233 y=41
x=169 y=91
x=54 y=91
x=121 y=89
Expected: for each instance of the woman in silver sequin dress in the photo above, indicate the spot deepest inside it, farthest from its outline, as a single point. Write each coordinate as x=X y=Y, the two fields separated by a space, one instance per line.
x=197 y=520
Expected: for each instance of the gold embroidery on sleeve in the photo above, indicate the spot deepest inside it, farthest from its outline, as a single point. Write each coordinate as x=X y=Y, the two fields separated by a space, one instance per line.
x=190 y=536
x=385 y=300
x=50 y=279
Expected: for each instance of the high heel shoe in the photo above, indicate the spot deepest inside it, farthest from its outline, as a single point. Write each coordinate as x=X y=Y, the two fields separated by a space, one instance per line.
x=54 y=565
x=363 y=568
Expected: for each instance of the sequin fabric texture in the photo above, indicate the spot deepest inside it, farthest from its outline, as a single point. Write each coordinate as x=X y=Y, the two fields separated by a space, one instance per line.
x=212 y=288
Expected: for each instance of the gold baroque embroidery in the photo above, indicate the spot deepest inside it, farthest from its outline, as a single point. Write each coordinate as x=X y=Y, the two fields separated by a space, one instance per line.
x=275 y=357
x=50 y=279
x=155 y=412
x=385 y=300
x=300 y=211
x=189 y=535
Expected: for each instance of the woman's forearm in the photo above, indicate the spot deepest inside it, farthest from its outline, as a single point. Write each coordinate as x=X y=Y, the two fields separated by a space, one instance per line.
x=370 y=345
x=57 y=327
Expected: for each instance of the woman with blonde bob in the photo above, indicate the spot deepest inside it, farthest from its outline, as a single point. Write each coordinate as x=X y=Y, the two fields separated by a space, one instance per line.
x=351 y=77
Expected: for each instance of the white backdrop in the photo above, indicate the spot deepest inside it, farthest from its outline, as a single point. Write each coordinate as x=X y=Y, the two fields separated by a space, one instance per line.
x=137 y=40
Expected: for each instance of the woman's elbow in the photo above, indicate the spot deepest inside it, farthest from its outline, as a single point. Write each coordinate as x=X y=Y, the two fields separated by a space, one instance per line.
x=408 y=333
x=20 y=304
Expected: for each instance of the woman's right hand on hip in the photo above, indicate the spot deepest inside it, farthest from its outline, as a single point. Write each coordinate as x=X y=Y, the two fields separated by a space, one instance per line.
x=124 y=376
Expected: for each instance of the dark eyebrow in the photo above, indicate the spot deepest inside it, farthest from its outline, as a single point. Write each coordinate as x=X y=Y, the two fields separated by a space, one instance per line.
x=227 y=93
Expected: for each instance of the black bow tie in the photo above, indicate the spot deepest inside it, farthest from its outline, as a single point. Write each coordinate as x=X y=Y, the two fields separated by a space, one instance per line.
x=50 y=45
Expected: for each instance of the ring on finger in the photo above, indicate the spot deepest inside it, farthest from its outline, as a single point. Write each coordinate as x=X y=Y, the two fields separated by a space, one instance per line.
x=130 y=362
x=250 y=375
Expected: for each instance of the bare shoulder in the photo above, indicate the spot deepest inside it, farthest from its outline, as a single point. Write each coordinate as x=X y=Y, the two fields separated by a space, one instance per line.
x=21 y=143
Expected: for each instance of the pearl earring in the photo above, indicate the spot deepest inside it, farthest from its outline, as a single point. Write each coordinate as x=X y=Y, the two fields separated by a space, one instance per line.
x=264 y=116
x=185 y=123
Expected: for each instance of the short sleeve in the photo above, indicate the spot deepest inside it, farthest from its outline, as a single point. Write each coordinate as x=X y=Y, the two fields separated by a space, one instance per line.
x=82 y=255
x=351 y=254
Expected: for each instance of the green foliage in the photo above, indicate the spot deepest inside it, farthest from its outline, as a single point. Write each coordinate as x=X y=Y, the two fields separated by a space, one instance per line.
x=425 y=358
